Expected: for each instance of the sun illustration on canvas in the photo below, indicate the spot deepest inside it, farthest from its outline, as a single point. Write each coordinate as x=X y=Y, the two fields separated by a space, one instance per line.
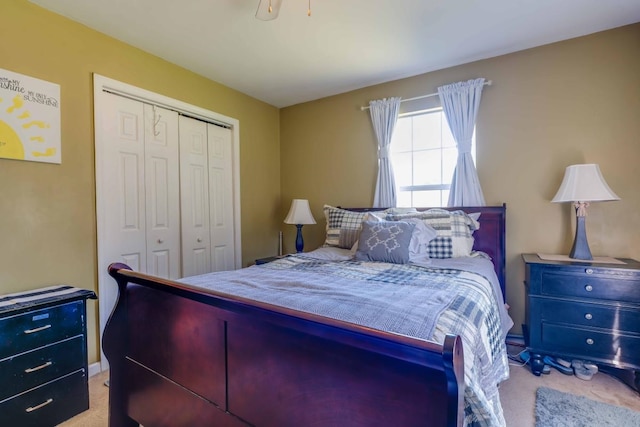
x=11 y=146
x=29 y=119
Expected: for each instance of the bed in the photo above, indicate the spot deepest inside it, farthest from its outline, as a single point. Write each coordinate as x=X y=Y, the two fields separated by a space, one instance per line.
x=200 y=351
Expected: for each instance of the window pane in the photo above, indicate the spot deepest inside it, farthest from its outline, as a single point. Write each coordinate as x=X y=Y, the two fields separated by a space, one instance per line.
x=424 y=153
x=401 y=139
x=445 y=197
x=402 y=168
x=427 y=131
x=427 y=167
x=426 y=199
x=404 y=199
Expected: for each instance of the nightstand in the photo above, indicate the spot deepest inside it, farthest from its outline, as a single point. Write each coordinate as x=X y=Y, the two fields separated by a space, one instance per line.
x=583 y=310
x=267 y=260
x=43 y=356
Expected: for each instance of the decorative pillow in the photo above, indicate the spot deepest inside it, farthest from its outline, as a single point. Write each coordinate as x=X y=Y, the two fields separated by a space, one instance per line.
x=422 y=235
x=343 y=226
x=454 y=231
x=385 y=241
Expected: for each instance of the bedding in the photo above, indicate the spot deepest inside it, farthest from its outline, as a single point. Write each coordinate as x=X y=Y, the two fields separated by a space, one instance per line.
x=454 y=231
x=424 y=301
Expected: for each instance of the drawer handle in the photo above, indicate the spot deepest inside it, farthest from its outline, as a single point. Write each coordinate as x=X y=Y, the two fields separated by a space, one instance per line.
x=589 y=341
x=588 y=288
x=199 y=240
x=160 y=241
x=37 y=368
x=35 y=408
x=589 y=271
x=588 y=316
x=41 y=328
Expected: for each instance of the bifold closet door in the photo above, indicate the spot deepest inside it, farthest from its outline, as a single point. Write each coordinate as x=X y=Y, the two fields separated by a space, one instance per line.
x=206 y=192
x=194 y=197
x=220 y=157
x=162 y=192
x=138 y=181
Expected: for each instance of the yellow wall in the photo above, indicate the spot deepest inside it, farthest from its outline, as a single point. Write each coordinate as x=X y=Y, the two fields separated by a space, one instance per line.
x=576 y=101
x=570 y=102
x=47 y=211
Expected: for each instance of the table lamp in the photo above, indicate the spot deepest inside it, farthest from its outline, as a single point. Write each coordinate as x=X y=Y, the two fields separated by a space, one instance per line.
x=583 y=184
x=299 y=214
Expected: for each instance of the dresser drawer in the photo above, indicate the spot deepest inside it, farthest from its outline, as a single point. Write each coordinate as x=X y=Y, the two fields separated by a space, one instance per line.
x=611 y=317
x=37 y=328
x=591 y=344
x=47 y=405
x=596 y=286
x=37 y=367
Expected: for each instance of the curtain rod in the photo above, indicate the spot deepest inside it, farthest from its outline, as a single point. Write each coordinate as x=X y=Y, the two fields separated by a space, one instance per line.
x=487 y=83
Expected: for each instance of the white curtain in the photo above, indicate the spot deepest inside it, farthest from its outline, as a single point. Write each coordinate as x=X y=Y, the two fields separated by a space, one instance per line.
x=384 y=114
x=460 y=102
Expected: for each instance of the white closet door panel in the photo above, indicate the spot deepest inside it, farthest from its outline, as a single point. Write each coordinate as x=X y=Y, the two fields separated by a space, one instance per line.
x=221 y=197
x=122 y=183
x=162 y=192
x=194 y=197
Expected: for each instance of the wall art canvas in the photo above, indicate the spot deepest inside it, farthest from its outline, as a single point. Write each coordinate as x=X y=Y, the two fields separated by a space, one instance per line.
x=29 y=118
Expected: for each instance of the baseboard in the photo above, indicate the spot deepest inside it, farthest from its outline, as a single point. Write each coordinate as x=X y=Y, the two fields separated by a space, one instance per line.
x=94 y=369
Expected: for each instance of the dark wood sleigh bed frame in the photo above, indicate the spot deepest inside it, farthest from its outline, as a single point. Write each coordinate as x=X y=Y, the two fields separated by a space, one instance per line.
x=185 y=356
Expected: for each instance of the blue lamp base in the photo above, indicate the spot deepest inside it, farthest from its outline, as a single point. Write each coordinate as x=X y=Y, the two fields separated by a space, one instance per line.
x=580 y=249
x=299 y=241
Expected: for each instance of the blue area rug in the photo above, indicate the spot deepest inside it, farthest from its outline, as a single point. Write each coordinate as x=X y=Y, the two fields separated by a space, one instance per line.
x=558 y=409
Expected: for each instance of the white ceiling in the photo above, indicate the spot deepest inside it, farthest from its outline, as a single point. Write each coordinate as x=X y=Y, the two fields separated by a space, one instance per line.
x=345 y=44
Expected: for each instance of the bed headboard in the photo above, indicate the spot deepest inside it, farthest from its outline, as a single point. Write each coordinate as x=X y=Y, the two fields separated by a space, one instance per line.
x=490 y=238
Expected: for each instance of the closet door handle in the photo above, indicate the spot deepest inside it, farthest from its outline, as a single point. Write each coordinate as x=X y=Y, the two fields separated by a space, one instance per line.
x=199 y=240
x=160 y=241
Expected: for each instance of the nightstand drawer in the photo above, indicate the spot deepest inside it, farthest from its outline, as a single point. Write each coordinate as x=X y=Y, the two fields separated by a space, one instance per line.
x=40 y=327
x=47 y=405
x=583 y=285
x=591 y=344
x=611 y=317
x=37 y=367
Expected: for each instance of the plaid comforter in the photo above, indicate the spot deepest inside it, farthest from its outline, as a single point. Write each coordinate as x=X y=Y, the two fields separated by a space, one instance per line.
x=422 y=302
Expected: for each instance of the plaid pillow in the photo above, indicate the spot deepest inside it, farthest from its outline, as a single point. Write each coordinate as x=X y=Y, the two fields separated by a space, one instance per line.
x=343 y=226
x=454 y=231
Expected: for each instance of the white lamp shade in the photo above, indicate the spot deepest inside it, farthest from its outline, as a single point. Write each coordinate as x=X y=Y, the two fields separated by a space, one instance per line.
x=584 y=183
x=300 y=213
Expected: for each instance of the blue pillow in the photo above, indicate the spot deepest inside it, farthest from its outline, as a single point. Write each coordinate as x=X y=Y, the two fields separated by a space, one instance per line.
x=385 y=241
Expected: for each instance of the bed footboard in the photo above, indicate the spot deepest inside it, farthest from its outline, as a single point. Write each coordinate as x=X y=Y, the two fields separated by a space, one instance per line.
x=181 y=355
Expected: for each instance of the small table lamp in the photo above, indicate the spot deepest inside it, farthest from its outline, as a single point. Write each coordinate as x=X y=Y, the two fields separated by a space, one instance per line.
x=299 y=214
x=583 y=184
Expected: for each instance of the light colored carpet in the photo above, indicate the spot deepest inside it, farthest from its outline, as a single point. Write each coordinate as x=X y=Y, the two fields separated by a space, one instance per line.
x=518 y=395
x=558 y=409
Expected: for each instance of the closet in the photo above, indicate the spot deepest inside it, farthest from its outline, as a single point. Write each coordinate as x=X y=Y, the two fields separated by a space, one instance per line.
x=166 y=190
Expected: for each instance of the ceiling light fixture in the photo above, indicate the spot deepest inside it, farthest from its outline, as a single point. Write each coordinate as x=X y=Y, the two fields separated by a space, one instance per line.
x=269 y=9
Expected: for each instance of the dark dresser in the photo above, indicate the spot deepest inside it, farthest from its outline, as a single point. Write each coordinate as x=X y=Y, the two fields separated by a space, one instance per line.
x=43 y=356
x=583 y=310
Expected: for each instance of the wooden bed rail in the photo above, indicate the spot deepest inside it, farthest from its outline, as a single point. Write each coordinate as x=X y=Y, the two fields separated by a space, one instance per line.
x=179 y=351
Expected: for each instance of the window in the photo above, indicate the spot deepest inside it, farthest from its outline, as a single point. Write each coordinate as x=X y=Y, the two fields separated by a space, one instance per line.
x=424 y=155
